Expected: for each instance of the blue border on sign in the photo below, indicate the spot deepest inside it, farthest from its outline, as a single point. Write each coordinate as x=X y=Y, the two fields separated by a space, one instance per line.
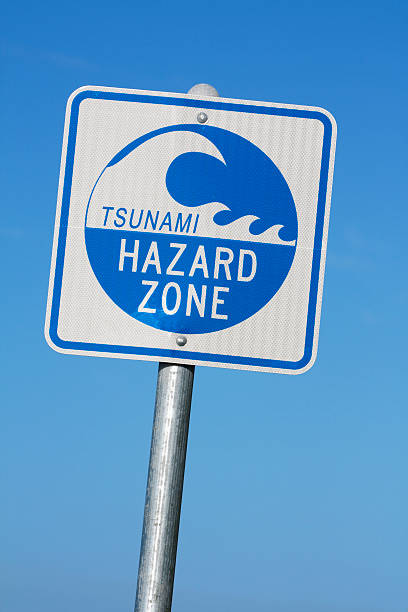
x=63 y=226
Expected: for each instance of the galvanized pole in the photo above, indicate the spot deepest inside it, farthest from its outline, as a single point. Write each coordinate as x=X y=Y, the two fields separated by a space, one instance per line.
x=164 y=488
x=166 y=475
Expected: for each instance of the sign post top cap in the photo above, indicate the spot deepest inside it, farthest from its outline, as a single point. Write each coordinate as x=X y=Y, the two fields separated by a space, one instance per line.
x=203 y=89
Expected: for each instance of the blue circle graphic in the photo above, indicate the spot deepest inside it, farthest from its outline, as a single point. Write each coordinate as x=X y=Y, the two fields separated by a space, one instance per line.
x=216 y=282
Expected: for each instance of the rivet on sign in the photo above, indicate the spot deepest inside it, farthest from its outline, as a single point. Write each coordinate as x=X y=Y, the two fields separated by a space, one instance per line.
x=181 y=340
x=202 y=117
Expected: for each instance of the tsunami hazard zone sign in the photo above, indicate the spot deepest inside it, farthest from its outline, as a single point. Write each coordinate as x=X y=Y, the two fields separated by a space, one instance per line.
x=191 y=230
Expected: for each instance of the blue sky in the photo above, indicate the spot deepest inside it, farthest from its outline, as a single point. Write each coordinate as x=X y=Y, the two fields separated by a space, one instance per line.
x=296 y=496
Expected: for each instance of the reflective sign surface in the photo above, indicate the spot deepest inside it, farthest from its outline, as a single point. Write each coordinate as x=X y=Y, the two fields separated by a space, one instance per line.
x=185 y=241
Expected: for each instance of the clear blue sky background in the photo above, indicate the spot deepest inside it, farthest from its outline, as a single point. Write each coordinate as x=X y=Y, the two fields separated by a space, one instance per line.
x=296 y=493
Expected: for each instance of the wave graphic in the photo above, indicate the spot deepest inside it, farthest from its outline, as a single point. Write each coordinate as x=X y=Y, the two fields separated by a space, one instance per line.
x=247 y=182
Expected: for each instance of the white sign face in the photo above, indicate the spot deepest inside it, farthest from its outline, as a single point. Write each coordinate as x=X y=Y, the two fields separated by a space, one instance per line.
x=191 y=230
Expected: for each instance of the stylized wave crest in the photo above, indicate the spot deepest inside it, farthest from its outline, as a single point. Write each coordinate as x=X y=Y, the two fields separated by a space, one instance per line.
x=249 y=183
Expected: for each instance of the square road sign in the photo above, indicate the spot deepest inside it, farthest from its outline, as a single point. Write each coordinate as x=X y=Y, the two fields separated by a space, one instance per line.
x=191 y=230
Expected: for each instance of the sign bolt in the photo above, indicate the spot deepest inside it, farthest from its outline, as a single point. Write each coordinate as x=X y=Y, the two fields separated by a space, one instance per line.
x=202 y=117
x=181 y=340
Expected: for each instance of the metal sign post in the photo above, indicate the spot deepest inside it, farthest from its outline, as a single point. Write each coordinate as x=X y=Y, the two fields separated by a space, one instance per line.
x=164 y=488
x=166 y=476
